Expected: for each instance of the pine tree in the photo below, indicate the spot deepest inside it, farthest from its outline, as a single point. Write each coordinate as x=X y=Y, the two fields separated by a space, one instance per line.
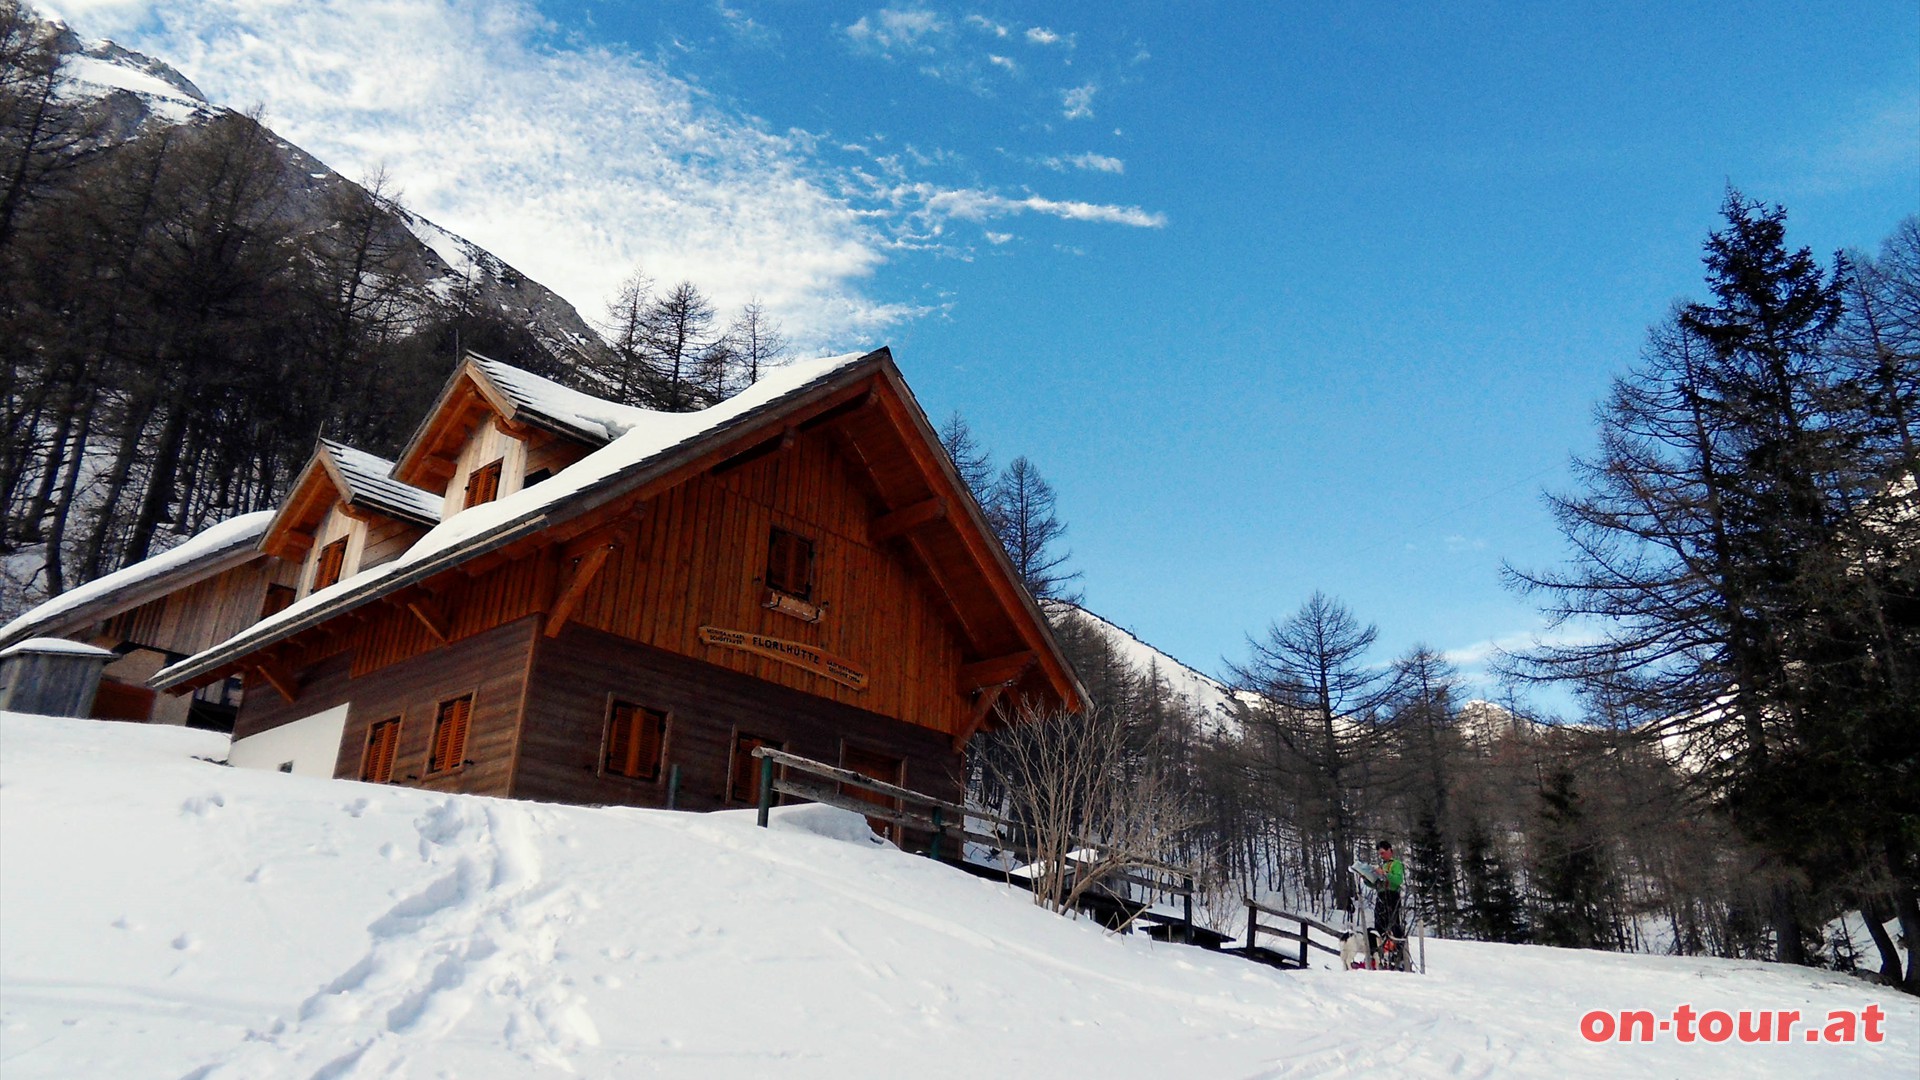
x=1024 y=512
x=1570 y=879
x=1491 y=908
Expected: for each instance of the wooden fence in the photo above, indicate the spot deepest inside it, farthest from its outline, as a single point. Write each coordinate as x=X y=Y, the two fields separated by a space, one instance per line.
x=950 y=826
x=1304 y=936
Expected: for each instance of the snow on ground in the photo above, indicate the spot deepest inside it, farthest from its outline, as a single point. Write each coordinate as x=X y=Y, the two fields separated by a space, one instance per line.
x=162 y=916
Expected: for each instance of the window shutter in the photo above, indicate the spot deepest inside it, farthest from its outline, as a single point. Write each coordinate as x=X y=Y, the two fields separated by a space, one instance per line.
x=450 y=734
x=649 y=740
x=483 y=484
x=333 y=558
x=636 y=741
x=382 y=741
x=790 y=564
x=620 y=740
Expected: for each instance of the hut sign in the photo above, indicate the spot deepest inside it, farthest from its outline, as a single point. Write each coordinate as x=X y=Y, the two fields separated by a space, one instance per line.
x=787 y=652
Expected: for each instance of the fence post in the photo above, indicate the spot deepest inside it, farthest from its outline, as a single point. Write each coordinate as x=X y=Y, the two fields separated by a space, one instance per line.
x=1252 y=922
x=1186 y=918
x=933 y=850
x=1303 y=944
x=673 y=788
x=766 y=789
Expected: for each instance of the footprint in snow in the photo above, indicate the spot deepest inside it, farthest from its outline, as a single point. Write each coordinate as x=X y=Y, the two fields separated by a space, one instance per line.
x=357 y=807
x=186 y=942
x=202 y=805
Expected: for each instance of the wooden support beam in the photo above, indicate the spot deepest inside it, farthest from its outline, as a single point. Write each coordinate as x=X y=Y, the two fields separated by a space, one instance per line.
x=982 y=708
x=436 y=470
x=431 y=615
x=999 y=671
x=907 y=518
x=583 y=574
x=276 y=675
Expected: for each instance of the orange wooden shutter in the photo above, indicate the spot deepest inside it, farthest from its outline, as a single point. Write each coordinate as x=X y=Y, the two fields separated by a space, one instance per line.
x=333 y=558
x=650 y=730
x=620 y=740
x=483 y=486
x=381 y=743
x=450 y=734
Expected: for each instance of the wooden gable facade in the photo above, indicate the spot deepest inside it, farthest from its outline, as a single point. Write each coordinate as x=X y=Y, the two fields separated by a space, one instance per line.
x=808 y=574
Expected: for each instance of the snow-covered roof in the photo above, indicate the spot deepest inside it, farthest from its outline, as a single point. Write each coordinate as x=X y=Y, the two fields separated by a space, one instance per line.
x=655 y=438
x=555 y=406
x=54 y=645
x=370 y=478
x=201 y=556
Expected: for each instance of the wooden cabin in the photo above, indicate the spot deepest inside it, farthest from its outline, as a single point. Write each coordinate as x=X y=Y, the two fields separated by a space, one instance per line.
x=613 y=599
x=161 y=611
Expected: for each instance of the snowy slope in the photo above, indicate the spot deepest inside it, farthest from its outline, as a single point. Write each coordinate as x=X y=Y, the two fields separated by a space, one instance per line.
x=162 y=916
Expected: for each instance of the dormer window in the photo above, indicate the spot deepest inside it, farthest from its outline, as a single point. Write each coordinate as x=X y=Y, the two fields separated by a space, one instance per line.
x=790 y=564
x=483 y=484
x=333 y=559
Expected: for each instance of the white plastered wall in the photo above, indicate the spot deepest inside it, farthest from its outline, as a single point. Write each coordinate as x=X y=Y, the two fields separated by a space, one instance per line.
x=311 y=743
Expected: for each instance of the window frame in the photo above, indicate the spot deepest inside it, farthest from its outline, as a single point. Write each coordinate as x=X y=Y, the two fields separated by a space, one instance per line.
x=466 y=734
x=614 y=704
x=735 y=757
x=779 y=583
x=367 y=769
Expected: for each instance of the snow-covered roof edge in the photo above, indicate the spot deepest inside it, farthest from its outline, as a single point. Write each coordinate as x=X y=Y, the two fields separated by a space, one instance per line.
x=630 y=460
x=369 y=479
x=201 y=556
x=47 y=645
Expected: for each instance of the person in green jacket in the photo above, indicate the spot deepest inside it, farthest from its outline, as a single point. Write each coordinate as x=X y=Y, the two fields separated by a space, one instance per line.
x=1392 y=874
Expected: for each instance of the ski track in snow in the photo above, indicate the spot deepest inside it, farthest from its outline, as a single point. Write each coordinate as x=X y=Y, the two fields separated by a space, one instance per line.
x=485 y=929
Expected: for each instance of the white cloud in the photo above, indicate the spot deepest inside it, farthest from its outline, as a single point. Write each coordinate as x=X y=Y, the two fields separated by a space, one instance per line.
x=998 y=238
x=975 y=204
x=1088 y=162
x=1002 y=62
x=1040 y=35
x=897 y=29
x=986 y=25
x=744 y=26
x=574 y=164
x=1077 y=103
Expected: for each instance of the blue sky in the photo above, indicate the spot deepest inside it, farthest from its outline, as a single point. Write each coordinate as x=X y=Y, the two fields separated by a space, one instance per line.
x=1279 y=297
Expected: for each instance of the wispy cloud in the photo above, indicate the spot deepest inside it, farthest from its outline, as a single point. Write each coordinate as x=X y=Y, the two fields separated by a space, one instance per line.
x=744 y=26
x=986 y=25
x=1041 y=35
x=1087 y=162
x=1077 y=103
x=898 y=29
x=975 y=204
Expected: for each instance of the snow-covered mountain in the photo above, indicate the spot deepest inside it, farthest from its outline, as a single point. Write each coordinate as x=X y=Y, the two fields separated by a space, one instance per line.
x=1207 y=695
x=134 y=92
x=164 y=916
